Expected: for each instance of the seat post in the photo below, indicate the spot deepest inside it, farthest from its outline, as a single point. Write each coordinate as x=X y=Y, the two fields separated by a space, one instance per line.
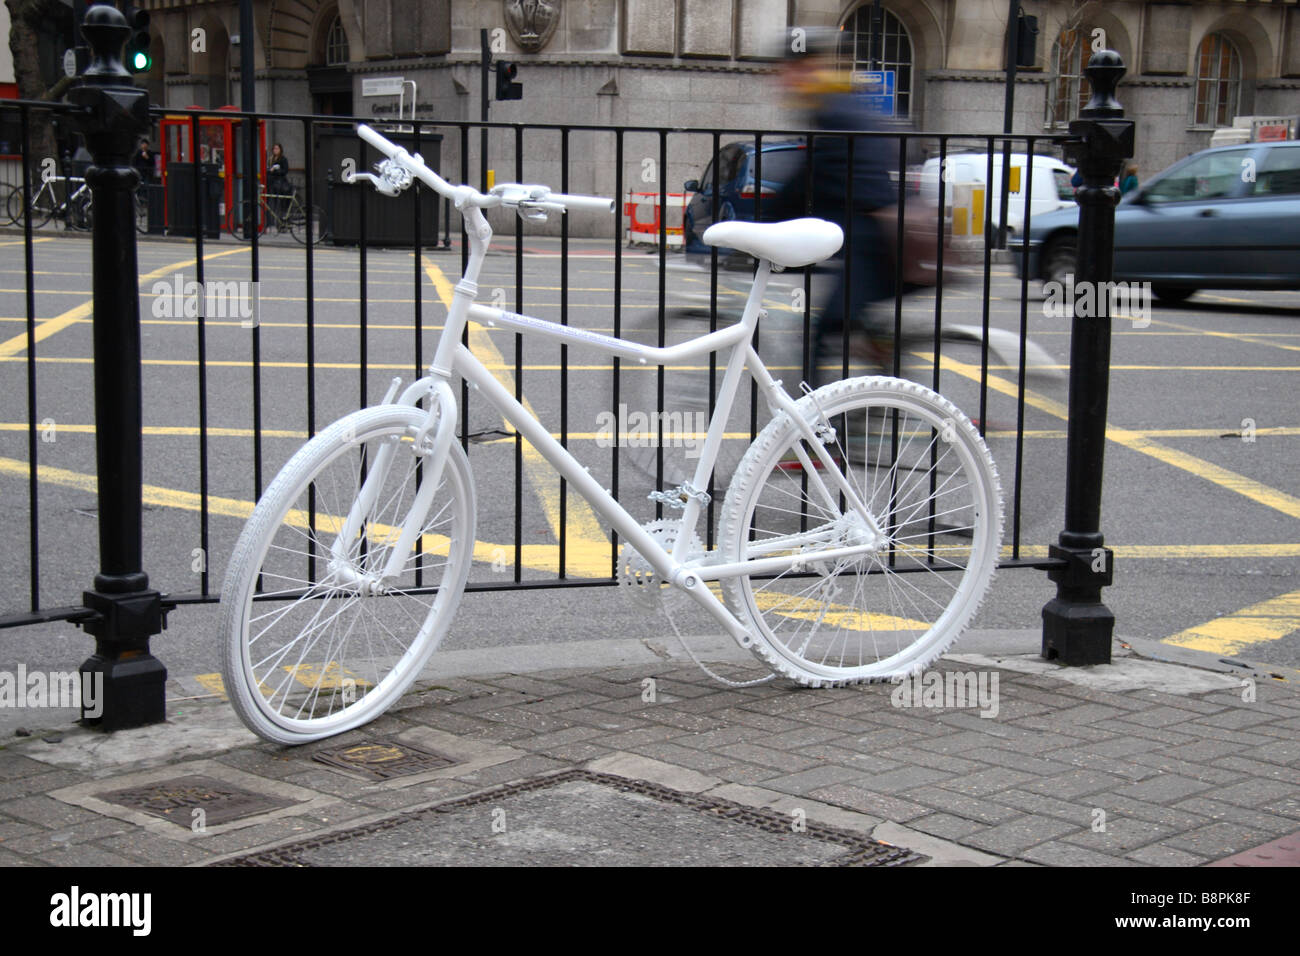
x=754 y=303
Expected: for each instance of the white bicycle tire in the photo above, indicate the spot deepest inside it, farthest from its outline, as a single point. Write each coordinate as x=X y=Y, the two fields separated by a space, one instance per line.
x=763 y=460
x=248 y=562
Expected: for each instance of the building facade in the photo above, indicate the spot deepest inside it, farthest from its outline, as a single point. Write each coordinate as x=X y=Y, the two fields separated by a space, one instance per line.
x=1193 y=66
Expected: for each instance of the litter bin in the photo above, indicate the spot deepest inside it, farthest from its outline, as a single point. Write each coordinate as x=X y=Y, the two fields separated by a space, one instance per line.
x=180 y=199
x=389 y=222
x=154 y=196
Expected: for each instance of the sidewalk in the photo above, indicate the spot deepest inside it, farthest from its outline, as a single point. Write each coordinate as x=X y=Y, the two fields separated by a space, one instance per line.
x=622 y=752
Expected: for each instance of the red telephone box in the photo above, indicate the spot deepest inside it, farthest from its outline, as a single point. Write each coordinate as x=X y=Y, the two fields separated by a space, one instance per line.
x=221 y=144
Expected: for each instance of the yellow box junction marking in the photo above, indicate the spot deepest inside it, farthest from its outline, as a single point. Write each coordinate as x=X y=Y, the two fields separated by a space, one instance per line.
x=1269 y=620
x=587 y=550
x=18 y=344
x=1135 y=441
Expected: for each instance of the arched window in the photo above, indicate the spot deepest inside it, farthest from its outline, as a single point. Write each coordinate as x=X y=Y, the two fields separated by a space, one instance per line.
x=336 y=44
x=1218 y=81
x=1069 y=91
x=862 y=50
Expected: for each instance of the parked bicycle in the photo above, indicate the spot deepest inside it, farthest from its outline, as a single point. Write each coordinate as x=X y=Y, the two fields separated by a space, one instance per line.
x=863 y=563
x=280 y=213
x=142 y=210
x=73 y=209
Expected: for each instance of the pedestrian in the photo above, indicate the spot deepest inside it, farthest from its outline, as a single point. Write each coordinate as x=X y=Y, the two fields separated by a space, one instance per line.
x=143 y=162
x=277 y=175
x=862 y=277
x=1130 y=179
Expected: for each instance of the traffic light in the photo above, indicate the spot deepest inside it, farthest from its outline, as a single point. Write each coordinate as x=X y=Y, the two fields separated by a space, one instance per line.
x=507 y=88
x=138 y=59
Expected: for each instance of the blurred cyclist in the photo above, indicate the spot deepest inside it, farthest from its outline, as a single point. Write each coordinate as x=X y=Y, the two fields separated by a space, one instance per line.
x=822 y=93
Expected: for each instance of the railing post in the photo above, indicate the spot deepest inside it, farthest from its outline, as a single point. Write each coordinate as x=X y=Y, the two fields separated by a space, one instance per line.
x=122 y=682
x=1077 y=626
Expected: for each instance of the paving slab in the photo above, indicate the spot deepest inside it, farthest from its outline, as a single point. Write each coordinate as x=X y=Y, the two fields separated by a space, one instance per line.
x=1183 y=768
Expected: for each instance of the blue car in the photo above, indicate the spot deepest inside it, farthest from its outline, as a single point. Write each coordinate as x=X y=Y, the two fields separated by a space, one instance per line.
x=782 y=161
x=1223 y=218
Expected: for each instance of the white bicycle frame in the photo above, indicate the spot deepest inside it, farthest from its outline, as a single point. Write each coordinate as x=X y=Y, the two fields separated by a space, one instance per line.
x=452 y=358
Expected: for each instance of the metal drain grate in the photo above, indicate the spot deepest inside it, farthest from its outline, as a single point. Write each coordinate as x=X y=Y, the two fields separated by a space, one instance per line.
x=177 y=798
x=580 y=817
x=383 y=759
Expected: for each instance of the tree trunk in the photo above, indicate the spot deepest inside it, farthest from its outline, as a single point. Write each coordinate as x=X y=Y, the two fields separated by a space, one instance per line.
x=25 y=17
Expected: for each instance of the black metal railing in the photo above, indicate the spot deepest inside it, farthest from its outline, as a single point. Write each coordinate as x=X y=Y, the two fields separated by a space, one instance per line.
x=669 y=149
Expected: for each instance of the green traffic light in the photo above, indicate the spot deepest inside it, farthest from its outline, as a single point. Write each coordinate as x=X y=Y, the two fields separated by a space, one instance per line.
x=140 y=61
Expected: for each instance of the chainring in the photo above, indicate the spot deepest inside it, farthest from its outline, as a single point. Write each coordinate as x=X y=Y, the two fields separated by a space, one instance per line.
x=636 y=578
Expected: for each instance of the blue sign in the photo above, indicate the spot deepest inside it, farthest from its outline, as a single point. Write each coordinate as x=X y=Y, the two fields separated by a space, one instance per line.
x=877 y=86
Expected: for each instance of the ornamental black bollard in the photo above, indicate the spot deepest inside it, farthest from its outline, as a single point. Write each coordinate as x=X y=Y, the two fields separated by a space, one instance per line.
x=127 y=613
x=1077 y=626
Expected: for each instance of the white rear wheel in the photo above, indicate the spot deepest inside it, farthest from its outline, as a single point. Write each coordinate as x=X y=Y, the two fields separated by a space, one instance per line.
x=927 y=479
x=316 y=645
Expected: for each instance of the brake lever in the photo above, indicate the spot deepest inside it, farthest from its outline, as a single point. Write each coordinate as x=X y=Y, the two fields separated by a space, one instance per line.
x=392 y=177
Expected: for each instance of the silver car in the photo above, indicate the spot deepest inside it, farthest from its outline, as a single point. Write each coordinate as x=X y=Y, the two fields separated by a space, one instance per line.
x=1223 y=218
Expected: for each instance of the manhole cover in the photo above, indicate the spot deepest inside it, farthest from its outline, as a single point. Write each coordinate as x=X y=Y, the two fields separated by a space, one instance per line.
x=383 y=759
x=177 y=798
x=586 y=819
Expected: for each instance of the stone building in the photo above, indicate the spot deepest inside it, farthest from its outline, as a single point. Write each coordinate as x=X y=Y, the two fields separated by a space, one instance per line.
x=1193 y=66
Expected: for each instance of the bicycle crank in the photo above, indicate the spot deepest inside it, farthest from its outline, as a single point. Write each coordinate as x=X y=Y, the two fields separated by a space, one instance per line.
x=636 y=577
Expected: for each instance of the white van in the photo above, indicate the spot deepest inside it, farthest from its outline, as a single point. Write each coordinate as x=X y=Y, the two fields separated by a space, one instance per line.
x=1052 y=189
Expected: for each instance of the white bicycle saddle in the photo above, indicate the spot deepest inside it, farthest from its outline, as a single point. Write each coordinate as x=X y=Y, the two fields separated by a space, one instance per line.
x=794 y=243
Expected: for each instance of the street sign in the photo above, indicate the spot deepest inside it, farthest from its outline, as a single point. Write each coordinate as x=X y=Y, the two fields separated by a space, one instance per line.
x=382 y=86
x=877 y=87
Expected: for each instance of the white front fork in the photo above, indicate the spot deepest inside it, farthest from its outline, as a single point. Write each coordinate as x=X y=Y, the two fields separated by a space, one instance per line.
x=442 y=421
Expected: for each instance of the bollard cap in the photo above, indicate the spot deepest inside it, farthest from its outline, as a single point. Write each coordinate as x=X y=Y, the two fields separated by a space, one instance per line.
x=1104 y=70
x=105 y=29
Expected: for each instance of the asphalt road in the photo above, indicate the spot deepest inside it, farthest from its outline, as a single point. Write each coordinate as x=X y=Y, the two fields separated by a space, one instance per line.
x=1201 y=502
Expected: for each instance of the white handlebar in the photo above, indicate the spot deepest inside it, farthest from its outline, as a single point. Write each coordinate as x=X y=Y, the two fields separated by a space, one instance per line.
x=594 y=203
x=506 y=194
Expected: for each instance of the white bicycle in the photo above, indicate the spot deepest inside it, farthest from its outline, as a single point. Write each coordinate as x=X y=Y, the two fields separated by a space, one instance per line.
x=857 y=538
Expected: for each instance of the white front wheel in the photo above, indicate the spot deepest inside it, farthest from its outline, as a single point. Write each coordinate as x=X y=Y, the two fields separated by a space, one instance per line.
x=318 y=641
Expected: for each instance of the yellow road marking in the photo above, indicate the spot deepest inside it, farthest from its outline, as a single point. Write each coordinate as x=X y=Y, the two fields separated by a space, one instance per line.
x=353 y=366
x=842 y=616
x=212 y=683
x=586 y=546
x=19 y=242
x=18 y=344
x=328 y=676
x=167 y=431
x=192 y=431
x=1135 y=441
x=540 y=557
x=1178 y=551
x=1269 y=620
x=1247 y=337
x=543 y=557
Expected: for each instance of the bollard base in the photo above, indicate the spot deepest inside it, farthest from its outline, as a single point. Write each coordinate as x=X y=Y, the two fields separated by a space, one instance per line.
x=123 y=692
x=1077 y=634
x=122 y=684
